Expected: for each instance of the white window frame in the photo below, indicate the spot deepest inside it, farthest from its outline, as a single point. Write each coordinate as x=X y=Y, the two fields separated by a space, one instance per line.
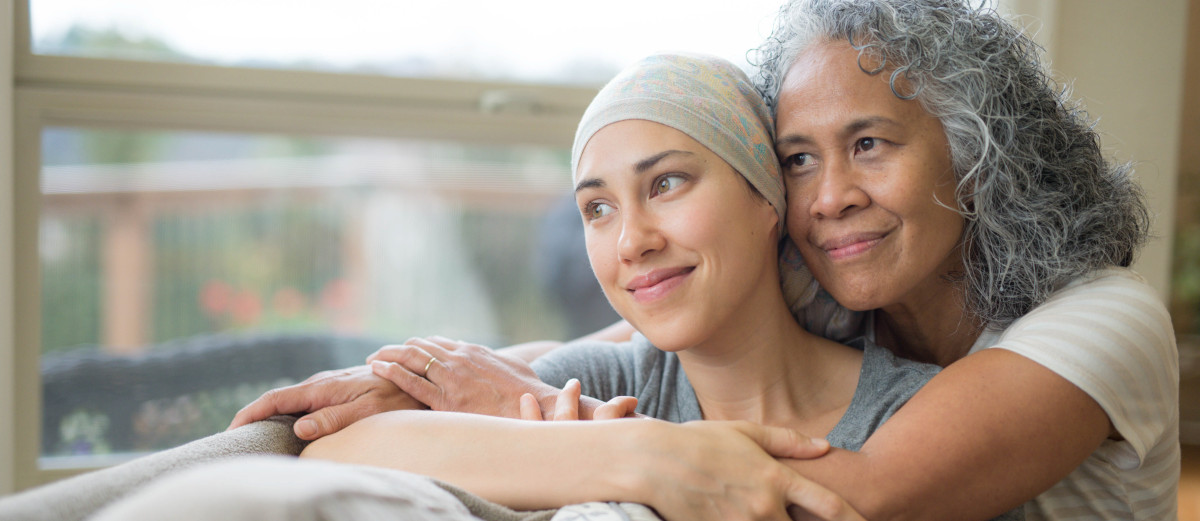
x=71 y=91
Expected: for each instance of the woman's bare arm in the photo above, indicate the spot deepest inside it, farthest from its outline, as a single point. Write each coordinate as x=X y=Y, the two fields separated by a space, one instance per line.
x=532 y=465
x=331 y=400
x=988 y=433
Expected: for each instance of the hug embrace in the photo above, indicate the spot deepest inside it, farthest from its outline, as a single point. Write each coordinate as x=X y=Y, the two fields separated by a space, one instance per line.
x=887 y=279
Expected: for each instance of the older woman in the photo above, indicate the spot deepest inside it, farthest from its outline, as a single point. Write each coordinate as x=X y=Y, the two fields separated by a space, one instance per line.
x=937 y=177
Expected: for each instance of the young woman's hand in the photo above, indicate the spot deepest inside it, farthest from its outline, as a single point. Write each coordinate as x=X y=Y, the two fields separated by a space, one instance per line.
x=566 y=408
x=727 y=470
x=332 y=399
x=449 y=375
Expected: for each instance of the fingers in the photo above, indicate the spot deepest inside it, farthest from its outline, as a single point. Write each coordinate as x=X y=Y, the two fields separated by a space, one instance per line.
x=420 y=350
x=784 y=443
x=451 y=345
x=285 y=400
x=327 y=421
x=413 y=357
x=566 y=407
x=818 y=503
x=616 y=408
x=530 y=409
x=408 y=381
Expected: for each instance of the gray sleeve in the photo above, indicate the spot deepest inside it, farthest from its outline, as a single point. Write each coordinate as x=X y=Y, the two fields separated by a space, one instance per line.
x=885 y=384
x=604 y=369
x=635 y=368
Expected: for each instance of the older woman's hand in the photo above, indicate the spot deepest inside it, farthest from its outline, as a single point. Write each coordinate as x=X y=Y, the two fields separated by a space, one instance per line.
x=333 y=399
x=727 y=470
x=449 y=375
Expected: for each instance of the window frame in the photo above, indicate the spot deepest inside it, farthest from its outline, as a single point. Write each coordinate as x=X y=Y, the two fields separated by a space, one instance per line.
x=82 y=92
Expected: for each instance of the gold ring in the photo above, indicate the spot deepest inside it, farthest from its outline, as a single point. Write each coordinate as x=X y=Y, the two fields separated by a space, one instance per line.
x=432 y=359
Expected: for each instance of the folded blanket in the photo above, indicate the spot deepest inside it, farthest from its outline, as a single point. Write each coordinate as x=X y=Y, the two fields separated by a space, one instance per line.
x=77 y=497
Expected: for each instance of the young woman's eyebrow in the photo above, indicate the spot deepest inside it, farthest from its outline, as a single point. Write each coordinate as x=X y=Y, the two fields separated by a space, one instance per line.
x=589 y=182
x=638 y=168
x=642 y=166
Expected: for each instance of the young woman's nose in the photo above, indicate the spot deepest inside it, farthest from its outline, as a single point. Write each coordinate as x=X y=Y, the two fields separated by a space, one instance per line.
x=640 y=236
x=837 y=191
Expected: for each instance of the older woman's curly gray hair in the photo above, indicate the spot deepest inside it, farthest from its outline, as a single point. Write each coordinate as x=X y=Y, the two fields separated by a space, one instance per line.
x=1042 y=204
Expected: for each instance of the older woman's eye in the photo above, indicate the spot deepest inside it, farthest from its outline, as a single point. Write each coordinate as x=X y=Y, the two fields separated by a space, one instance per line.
x=797 y=160
x=597 y=210
x=864 y=144
x=667 y=183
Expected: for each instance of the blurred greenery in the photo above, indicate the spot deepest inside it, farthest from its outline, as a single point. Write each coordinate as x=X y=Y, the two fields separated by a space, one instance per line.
x=1185 y=280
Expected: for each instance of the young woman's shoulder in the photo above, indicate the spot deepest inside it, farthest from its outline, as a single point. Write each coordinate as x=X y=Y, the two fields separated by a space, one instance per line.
x=634 y=368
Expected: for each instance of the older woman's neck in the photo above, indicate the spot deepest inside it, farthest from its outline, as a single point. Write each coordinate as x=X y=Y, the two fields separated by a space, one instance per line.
x=934 y=329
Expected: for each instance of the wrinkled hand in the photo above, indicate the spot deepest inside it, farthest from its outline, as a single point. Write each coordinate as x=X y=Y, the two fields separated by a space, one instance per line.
x=449 y=375
x=727 y=471
x=332 y=399
x=566 y=407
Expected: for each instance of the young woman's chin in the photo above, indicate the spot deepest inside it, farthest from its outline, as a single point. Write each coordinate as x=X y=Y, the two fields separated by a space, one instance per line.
x=673 y=333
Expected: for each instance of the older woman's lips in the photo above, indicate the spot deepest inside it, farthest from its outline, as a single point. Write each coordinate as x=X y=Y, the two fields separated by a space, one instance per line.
x=849 y=246
x=657 y=284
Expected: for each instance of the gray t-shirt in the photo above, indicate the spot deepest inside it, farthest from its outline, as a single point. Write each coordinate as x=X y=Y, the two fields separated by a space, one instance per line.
x=636 y=368
x=655 y=377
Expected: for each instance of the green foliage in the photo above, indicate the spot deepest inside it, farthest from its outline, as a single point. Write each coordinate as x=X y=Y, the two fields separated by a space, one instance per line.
x=71 y=285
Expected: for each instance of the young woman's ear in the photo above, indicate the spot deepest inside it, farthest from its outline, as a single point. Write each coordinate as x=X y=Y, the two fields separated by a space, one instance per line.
x=772 y=219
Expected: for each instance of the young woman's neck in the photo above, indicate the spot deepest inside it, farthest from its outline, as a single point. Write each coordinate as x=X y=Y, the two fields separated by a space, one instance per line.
x=764 y=367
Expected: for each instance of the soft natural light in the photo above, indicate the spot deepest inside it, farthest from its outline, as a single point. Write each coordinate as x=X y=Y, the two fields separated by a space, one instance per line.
x=530 y=40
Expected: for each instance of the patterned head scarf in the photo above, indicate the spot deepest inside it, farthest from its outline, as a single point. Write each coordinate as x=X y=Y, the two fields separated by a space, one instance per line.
x=713 y=102
x=707 y=98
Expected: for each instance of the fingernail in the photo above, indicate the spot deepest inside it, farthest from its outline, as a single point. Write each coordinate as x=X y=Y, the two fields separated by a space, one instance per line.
x=820 y=442
x=378 y=366
x=306 y=428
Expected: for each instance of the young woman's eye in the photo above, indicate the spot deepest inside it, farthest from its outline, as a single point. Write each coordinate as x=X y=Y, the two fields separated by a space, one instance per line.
x=596 y=210
x=865 y=144
x=666 y=183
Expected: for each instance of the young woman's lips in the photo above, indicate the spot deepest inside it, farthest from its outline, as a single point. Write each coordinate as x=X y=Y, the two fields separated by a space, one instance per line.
x=849 y=246
x=657 y=284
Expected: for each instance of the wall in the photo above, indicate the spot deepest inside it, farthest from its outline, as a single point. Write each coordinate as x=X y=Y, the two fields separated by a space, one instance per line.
x=7 y=361
x=1124 y=61
x=1127 y=60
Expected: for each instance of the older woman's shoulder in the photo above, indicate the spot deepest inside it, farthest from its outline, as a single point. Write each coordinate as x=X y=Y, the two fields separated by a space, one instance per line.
x=1115 y=280
x=1110 y=334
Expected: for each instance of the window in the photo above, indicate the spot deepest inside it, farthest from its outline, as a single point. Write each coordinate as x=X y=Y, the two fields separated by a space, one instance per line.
x=195 y=242
x=544 y=41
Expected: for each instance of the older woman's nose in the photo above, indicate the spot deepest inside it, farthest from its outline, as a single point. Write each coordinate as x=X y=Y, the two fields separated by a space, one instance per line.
x=837 y=193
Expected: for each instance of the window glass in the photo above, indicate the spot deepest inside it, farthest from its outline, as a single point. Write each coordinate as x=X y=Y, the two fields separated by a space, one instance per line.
x=185 y=273
x=528 y=40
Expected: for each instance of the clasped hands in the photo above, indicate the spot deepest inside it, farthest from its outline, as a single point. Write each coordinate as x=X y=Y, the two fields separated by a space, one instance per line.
x=446 y=375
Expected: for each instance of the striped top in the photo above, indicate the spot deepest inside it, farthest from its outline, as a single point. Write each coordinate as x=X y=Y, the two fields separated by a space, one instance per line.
x=1110 y=335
